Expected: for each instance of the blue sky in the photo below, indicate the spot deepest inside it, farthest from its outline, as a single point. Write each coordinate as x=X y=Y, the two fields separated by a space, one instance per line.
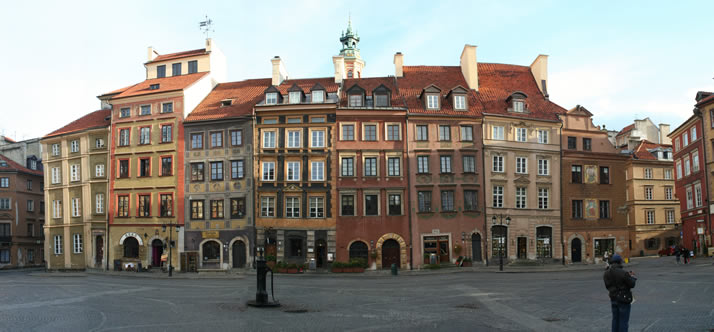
x=621 y=60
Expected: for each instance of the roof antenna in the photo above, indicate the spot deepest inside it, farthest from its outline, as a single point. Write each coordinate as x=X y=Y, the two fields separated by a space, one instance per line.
x=206 y=26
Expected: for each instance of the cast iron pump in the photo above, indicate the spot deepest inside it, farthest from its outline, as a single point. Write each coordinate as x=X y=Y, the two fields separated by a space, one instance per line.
x=261 y=295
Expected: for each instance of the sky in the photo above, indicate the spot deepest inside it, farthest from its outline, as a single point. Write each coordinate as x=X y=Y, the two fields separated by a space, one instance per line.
x=621 y=60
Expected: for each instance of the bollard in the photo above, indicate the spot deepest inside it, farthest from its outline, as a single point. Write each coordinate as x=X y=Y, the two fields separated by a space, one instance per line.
x=395 y=271
x=261 y=295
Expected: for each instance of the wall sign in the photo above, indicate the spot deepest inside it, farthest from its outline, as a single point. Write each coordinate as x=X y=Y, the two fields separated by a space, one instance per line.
x=131 y=234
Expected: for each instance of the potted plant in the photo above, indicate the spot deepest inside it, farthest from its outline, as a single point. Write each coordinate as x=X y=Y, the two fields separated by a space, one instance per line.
x=337 y=267
x=292 y=268
x=358 y=265
x=270 y=261
x=281 y=267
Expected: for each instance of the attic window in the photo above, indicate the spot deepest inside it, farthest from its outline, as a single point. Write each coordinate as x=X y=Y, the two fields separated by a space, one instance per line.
x=518 y=106
x=432 y=101
x=318 y=96
x=154 y=87
x=294 y=97
x=271 y=98
x=355 y=100
x=459 y=102
x=3 y=163
x=381 y=100
x=226 y=102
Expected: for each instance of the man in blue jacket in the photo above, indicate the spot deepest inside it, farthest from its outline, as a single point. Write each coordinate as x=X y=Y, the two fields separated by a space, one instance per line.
x=619 y=285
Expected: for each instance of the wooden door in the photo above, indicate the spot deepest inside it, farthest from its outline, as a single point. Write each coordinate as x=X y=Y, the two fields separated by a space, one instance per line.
x=476 y=247
x=443 y=251
x=576 y=250
x=98 y=251
x=239 y=254
x=390 y=253
x=522 y=248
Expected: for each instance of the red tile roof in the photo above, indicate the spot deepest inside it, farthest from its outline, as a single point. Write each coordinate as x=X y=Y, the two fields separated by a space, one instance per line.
x=498 y=81
x=446 y=78
x=178 y=55
x=96 y=119
x=641 y=151
x=369 y=84
x=245 y=95
x=8 y=139
x=13 y=166
x=166 y=84
x=307 y=83
x=626 y=130
x=117 y=91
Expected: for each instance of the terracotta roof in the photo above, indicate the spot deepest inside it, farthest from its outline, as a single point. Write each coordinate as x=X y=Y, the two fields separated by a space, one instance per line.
x=171 y=83
x=8 y=139
x=178 y=55
x=96 y=119
x=369 y=84
x=642 y=150
x=13 y=166
x=626 y=130
x=117 y=91
x=307 y=83
x=446 y=78
x=245 y=95
x=499 y=81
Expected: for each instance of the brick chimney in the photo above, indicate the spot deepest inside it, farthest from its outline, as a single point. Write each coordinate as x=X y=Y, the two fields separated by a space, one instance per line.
x=469 y=66
x=151 y=54
x=279 y=72
x=399 y=64
x=539 y=69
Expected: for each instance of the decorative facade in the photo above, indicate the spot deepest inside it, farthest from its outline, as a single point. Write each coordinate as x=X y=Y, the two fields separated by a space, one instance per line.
x=77 y=159
x=593 y=198
x=219 y=177
x=21 y=214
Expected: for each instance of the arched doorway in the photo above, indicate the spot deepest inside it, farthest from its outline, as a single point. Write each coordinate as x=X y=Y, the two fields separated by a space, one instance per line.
x=98 y=251
x=211 y=251
x=476 y=247
x=390 y=253
x=321 y=252
x=576 y=250
x=239 y=258
x=359 y=250
x=157 y=249
x=131 y=247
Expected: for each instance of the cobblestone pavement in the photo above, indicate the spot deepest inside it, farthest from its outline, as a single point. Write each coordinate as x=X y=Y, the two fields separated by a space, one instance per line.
x=667 y=298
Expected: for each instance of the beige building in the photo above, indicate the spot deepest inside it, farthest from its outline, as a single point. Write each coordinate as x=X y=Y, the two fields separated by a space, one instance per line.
x=652 y=208
x=76 y=166
x=521 y=142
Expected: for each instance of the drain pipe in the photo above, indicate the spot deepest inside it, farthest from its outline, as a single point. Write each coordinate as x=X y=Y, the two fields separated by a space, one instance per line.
x=483 y=192
x=560 y=171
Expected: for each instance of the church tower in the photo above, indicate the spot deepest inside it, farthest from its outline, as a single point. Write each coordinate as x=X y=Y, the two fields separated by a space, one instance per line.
x=352 y=62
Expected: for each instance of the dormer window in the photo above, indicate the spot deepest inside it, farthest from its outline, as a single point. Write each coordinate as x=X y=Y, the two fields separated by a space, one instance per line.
x=355 y=100
x=381 y=100
x=294 y=97
x=271 y=98
x=226 y=102
x=518 y=106
x=154 y=87
x=432 y=101
x=318 y=96
x=459 y=102
x=161 y=71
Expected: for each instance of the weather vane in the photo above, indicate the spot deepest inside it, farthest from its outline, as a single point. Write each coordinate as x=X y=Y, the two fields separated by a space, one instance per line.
x=206 y=26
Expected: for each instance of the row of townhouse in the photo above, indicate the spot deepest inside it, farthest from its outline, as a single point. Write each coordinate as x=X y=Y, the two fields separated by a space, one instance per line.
x=432 y=163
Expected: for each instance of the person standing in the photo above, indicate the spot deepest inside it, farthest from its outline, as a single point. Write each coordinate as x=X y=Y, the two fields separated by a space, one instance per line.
x=677 y=253
x=685 y=255
x=619 y=285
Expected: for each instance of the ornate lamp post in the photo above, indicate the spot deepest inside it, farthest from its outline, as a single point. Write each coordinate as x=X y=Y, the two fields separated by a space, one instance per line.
x=498 y=220
x=171 y=242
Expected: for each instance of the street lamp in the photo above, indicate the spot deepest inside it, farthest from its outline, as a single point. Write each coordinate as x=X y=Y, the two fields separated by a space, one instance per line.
x=497 y=220
x=170 y=226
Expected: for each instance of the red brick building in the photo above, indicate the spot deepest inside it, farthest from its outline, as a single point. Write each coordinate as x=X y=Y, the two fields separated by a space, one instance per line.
x=691 y=183
x=21 y=215
x=372 y=182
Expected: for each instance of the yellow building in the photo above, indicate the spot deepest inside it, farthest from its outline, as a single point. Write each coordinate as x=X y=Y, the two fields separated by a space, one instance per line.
x=76 y=160
x=146 y=206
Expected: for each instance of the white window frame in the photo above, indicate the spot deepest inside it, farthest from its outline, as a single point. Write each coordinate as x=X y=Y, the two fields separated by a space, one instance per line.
x=668 y=174
x=459 y=102
x=316 y=203
x=497 y=133
x=543 y=136
x=396 y=167
x=468 y=164
x=74 y=146
x=57 y=208
x=290 y=166
x=467 y=133
x=521 y=134
x=694 y=133
x=294 y=139
x=56 y=175
x=271 y=98
x=266 y=204
x=679 y=169
x=294 y=97
x=74 y=172
x=317 y=138
x=521 y=197
x=58 y=244
x=268 y=166
x=422 y=164
x=695 y=161
x=543 y=166
x=77 y=243
x=99 y=170
x=318 y=96
x=649 y=193
x=445 y=164
x=668 y=193
x=99 y=203
x=76 y=207
x=269 y=139
x=497 y=163
x=497 y=195
x=650 y=217
x=669 y=215
x=690 y=198
x=522 y=165
x=432 y=101
x=56 y=149
x=698 y=195
x=292 y=207
x=317 y=170
x=685 y=139
x=543 y=198
x=519 y=106
x=687 y=168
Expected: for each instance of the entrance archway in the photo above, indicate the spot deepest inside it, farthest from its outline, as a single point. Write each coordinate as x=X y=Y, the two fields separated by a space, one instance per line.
x=359 y=250
x=576 y=250
x=239 y=258
x=157 y=249
x=211 y=254
x=476 y=247
x=390 y=253
x=131 y=247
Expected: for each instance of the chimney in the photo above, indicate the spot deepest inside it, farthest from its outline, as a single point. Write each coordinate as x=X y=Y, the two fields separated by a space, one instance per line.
x=664 y=134
x=399 y=64
x=279 y=72
x=209 y=44
x=539 y=69
x=469 y=66
x=339 y=62
x=151 y=54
